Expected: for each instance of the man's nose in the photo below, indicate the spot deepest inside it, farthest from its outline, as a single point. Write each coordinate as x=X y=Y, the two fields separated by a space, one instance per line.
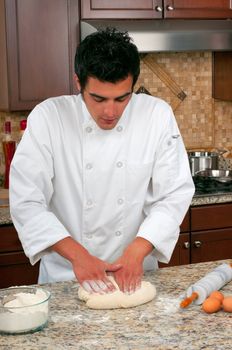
x=110 y=109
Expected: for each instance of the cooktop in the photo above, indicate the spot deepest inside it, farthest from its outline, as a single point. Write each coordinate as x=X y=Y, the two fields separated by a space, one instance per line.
x=209 y=186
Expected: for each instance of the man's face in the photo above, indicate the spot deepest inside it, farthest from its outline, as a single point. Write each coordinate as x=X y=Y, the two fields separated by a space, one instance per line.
x=106 y=101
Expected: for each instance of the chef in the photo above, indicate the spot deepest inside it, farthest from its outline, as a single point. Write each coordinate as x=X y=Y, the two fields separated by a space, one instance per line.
x=100 y=182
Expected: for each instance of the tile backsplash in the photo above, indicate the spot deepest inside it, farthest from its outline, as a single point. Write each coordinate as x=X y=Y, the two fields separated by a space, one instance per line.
x=184 y=80
x=205 y=123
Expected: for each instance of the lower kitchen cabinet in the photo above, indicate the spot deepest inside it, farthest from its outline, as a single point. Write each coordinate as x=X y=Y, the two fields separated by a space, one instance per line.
x=180 y=255
x=15 y=268
x=211 y=245
x=211 y=232
x=208 y=236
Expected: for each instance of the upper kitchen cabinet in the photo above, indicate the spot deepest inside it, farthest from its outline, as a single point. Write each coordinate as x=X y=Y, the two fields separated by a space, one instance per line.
x=131 y=9
x=37 y=46
x=222 y=75
x=121 y=9
x=198 y=9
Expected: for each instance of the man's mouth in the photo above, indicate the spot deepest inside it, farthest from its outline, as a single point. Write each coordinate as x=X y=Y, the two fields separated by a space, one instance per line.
x=109 y=121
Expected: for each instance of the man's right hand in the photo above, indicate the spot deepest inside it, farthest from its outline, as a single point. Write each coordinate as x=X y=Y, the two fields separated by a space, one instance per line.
x=90 y=271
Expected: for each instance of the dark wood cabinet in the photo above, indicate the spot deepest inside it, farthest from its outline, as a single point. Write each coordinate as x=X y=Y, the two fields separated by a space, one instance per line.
x=15 y=267
x=121 y=9
x=37 y=46
x=181 y=254
x=211 y=232
x=132 y=9
x=211 y=245
x=208 y=236
x=222 y=75
x=198 y=9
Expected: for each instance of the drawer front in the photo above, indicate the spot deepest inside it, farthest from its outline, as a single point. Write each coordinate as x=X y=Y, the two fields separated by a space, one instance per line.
x=211 y=217
x=9 y=240
x=185 y=226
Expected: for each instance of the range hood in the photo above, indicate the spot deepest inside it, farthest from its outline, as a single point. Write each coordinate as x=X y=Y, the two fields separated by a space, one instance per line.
x=170 y=35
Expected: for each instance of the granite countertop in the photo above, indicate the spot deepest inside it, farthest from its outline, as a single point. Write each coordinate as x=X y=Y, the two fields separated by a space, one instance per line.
x=5 y=217
x=160 y=324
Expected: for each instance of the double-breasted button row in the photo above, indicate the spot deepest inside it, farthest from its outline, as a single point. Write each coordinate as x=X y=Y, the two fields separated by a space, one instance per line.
x=89 y=166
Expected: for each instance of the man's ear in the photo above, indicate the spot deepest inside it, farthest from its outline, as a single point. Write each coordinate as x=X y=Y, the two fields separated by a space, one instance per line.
x=77 y=81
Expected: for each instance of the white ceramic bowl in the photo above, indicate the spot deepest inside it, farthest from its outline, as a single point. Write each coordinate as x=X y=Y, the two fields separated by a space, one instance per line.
x=23 y=309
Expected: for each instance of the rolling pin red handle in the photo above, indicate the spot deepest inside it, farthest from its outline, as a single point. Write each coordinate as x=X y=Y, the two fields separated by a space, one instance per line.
x=186 y=302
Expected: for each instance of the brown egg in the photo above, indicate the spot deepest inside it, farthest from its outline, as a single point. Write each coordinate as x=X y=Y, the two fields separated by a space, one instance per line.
x=211 y=305
x=218 y=295
x=227 y=304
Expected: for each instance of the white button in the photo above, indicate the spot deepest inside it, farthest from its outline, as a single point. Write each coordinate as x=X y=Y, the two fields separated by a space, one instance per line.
x=119 y=164
x=89 y=235
x=89 y=129
x=89 y=203
x=118 y=233
x=120 y=201
x=119 y=128
x=89 y=166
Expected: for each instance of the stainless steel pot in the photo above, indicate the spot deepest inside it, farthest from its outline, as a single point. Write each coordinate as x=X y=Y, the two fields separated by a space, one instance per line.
x=203 y=160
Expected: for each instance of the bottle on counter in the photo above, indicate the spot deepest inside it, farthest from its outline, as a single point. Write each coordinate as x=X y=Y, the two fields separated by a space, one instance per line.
x=22 y=127
x=9 y=146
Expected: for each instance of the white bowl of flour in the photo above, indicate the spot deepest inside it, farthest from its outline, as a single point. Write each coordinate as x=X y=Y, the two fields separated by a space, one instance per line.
x=23 y=309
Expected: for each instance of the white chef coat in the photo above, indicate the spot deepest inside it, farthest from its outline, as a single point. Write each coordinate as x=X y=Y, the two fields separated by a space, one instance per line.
x=102 y=187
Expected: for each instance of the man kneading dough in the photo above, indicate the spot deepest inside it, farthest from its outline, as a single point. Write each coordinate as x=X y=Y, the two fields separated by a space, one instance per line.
x=118 y=299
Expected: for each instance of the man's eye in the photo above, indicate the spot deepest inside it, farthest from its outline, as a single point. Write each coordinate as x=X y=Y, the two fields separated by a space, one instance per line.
x=123 y=98
x=98 y=99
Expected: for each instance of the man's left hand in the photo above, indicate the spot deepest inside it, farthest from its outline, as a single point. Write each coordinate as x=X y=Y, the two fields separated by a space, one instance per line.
x=130 y=275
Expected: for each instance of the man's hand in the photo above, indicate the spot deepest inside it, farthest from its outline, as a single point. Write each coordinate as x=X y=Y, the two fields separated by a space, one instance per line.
x=89 y=270
x=130 y=275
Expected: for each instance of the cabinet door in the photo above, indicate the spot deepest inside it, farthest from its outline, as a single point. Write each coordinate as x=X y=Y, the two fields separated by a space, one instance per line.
x=40 y=41
x=197 y=9
x=181 y=253
x=9 y=239
x=15 y=267
x=121 y=9
x=185 y=226
x=222 y=75
x=16 y=270
x=211 y=245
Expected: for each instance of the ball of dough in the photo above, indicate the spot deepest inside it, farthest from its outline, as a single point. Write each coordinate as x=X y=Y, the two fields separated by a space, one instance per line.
x=118 y=299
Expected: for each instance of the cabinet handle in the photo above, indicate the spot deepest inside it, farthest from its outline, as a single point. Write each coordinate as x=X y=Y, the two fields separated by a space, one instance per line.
x=197 y=244
x=158 y=8
x=170 y=8
x=186 y=245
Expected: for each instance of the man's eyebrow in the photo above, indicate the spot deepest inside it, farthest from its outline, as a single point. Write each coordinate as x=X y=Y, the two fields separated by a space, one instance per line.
x=105 y=98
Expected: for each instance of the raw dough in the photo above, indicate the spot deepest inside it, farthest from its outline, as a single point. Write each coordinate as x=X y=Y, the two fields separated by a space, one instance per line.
x=118 y=299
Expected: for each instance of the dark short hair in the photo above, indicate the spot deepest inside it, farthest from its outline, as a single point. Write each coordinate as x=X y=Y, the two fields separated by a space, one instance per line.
x=108 y=55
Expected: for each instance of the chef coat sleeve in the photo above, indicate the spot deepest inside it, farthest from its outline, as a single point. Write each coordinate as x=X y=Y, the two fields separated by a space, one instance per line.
x=31 y=189
x=170 y=190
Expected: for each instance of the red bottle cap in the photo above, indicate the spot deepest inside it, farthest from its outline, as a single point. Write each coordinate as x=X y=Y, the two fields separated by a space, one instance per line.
x=23 y=124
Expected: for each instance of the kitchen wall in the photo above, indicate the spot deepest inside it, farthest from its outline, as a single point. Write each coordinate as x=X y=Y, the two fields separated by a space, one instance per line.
x=185 y=81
